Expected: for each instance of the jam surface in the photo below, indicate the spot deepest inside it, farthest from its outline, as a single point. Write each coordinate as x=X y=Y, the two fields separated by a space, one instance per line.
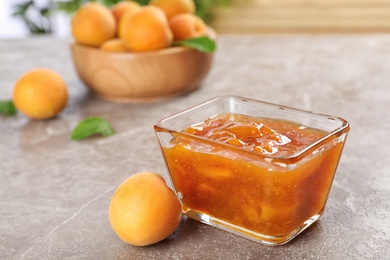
x=249 y=191
x=267 y=136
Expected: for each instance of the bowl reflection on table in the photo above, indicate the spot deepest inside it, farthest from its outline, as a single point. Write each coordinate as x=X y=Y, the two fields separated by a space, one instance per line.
x=140 y=77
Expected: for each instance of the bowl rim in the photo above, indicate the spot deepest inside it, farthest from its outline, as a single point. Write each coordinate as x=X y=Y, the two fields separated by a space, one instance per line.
x=339 y=132
x=164 y=51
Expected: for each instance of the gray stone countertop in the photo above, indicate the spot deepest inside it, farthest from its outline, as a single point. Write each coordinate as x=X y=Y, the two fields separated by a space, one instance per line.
x=54 y=192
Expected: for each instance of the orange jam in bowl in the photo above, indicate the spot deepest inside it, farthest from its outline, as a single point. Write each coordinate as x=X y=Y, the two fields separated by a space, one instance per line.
x=266 y=178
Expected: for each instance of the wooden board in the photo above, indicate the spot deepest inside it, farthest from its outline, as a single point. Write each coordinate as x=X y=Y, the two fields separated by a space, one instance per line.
x=289 y=16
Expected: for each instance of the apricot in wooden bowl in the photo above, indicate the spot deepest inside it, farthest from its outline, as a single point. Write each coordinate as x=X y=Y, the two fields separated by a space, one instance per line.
x=141 y=76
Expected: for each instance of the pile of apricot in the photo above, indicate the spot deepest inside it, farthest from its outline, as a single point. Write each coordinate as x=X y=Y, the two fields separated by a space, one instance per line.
x=127 y=26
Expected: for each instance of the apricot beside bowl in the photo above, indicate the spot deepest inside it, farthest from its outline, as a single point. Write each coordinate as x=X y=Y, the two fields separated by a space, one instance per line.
x=140 y=77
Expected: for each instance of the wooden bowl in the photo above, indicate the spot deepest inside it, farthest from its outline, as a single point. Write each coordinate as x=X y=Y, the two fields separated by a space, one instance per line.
x=140 y=77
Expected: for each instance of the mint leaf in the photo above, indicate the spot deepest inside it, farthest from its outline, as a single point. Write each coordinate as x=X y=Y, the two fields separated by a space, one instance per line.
x=203 y=44
x=92 y=126
x=7 y=108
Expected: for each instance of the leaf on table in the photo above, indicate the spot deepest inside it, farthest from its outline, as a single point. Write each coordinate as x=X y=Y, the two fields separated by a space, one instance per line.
x=92 y=126
x=203 y=44
x=7 y=107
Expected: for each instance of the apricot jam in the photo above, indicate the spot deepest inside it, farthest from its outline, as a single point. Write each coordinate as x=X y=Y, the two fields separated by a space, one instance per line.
x=247 y=172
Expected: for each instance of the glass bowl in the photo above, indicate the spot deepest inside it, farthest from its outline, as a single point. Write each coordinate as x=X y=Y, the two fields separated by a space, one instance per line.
x=258 y=194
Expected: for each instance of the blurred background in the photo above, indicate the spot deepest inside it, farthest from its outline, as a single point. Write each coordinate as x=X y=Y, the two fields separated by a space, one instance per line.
x=21 y=18
x=313 y=16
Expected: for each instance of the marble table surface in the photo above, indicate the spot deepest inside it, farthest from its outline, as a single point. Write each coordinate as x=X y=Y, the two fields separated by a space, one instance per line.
x=54 y=192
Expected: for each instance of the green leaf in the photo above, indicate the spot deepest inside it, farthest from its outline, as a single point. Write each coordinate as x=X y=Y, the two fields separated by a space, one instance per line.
x=45 y=12
x=205 y=8
x=203 y=44
x=7 y=108
x=92 y=126
x=21 y=9
x=70 y=6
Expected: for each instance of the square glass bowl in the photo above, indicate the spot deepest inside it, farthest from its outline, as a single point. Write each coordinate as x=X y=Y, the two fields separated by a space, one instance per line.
x=265 y=197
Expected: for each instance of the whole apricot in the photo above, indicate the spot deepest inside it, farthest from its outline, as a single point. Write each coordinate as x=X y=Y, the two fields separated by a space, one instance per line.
x=125 y=17
x=144 y=210
x=93 y=24
x=174 y=7
x=40 y=93
x=114 y=45
x=121 y=7
x=147 y=30
x=187 y=26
